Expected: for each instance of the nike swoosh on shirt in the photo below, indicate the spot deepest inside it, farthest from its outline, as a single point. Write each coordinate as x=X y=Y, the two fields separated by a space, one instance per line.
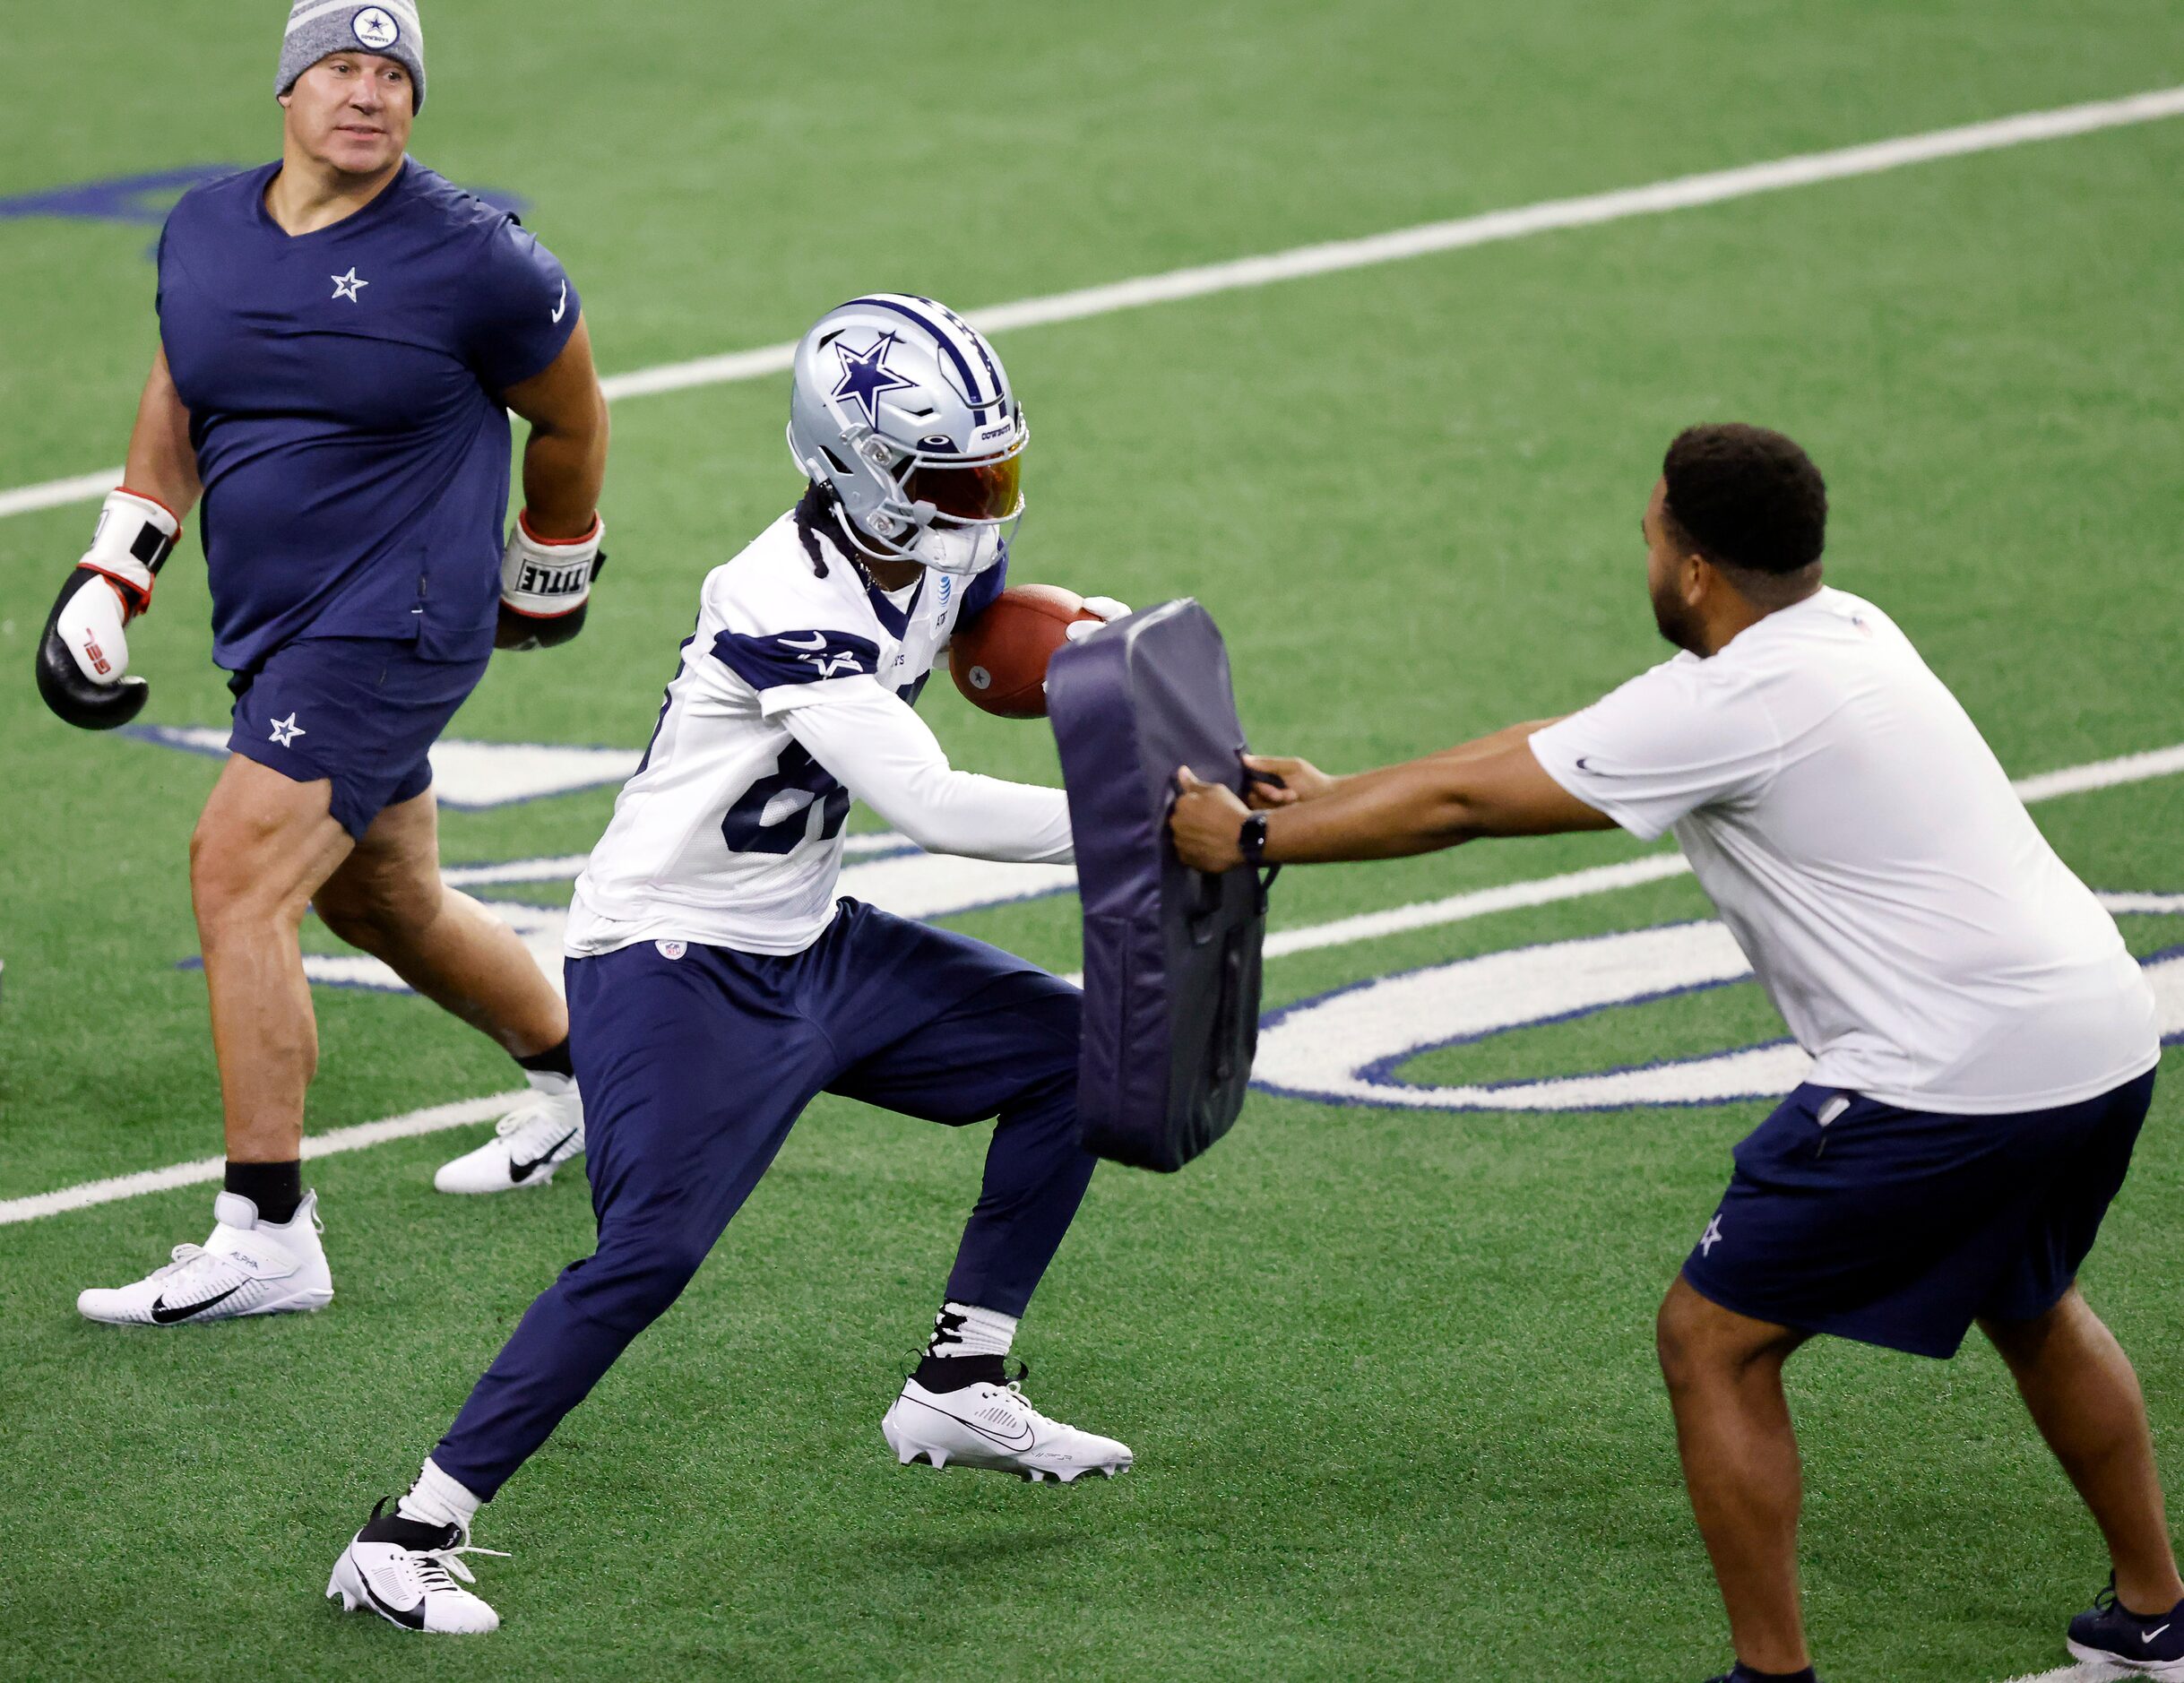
x=524 y=1171
x=818 y=641
x=166 y=1317
x=561 y=308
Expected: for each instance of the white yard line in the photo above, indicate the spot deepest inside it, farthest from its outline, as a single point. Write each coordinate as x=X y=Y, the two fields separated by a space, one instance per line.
x=1426 y=914
x=207 y=1169
x=1681 y=193
x=1599 y=879
x=2088 y=1673
x=84 y=488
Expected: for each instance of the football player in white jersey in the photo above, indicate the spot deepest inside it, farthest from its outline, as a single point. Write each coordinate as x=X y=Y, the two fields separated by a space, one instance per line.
x=716 y=984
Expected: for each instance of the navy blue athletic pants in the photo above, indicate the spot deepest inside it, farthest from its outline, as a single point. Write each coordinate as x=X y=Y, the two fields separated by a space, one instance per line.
x=695 y=1062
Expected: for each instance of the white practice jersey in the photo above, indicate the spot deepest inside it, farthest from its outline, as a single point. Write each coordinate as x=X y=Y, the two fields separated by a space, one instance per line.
x=1911 y=923
x=793 y=695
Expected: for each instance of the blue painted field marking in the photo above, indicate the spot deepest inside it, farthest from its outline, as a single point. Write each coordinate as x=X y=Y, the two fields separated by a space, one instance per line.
x=143 y=200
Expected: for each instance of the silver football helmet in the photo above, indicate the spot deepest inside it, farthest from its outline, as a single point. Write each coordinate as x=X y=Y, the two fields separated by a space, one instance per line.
x=900 y=409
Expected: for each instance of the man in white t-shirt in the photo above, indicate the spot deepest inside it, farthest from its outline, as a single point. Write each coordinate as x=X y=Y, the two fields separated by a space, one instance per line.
x=1983 y=1044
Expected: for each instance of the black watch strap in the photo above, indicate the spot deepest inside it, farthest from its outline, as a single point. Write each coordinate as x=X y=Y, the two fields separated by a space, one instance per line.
x=1251 y=840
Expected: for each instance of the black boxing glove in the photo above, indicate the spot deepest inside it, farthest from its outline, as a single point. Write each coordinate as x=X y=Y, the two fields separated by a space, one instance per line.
x=83 y=656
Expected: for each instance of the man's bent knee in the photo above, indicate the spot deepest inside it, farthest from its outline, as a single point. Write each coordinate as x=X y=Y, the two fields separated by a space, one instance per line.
x=630 y=1283
x=1695 y=1337
x=261 y=847
x=390 y=886
x=1676 y=1336
x=374 y=911
x=2020 y=1342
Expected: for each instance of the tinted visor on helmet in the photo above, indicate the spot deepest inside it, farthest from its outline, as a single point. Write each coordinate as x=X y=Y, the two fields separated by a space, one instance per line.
x=982 y=490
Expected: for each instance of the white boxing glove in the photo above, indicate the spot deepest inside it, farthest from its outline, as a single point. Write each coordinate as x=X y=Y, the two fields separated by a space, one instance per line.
x=546 y=584
x=83 y=654
x=90 y=625
x=1106 y=606
x=134 y=536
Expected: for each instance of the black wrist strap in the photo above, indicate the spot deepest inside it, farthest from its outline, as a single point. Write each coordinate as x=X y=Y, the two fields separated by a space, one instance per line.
x=1251 y=840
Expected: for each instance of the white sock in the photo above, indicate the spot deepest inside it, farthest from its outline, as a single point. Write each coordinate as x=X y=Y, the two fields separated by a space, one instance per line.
x=436 y=1500
x=962 y=1329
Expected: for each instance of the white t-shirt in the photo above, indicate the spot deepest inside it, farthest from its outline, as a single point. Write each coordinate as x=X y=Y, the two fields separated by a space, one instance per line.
x=791 y=697
x=1915 y=930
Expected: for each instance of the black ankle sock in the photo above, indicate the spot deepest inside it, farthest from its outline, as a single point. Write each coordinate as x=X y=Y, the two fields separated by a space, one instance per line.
x=553 y=1061
x=1747 y=1674
x=953 y=1373
x=276 y=1188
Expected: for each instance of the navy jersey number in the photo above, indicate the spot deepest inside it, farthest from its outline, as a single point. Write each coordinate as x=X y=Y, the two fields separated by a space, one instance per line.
x=744 y=829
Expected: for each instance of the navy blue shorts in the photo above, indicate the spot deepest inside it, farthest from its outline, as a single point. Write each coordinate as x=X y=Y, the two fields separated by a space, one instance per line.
x=362 y=713
x=1900 y=1227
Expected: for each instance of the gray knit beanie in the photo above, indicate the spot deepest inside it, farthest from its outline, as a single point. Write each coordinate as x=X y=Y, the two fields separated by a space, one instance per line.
x=320 y=28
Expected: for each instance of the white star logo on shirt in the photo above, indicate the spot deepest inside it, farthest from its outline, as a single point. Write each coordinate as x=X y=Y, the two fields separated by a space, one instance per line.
x=1710 y=1238
x=286 y=731
x=347 y=286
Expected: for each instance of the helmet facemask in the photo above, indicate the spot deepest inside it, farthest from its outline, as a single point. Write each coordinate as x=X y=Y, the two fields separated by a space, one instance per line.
x=940 y=510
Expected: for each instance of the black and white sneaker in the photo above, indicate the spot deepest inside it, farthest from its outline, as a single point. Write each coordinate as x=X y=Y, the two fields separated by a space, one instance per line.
x=542 y=1132
x=405 y=1571
x=247 y=1267
x=2151 y=1645
x=995 y=1426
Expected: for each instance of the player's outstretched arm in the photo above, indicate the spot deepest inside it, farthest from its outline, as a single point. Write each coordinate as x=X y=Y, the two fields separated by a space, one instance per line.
x=83 y=656
x=886 y=756
x=1278 y=780
x=1494 y=787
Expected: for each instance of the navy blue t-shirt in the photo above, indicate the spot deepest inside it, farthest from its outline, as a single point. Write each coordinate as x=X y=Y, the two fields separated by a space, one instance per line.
x=344 y=391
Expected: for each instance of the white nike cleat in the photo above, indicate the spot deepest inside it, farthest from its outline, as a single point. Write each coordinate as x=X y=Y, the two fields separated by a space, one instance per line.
x=993 y=1426
x=247 y=1267
x=405 y=1570
x=529 y=1144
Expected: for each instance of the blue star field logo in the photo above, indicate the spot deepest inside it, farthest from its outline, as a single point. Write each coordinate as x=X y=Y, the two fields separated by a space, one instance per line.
x=865 y=375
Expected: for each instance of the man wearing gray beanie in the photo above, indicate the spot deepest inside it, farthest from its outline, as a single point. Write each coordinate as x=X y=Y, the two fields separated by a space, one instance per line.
x=320 y=28
x=342 y=333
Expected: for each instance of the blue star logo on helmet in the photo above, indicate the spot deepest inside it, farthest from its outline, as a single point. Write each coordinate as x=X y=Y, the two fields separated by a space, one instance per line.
x=865 y=375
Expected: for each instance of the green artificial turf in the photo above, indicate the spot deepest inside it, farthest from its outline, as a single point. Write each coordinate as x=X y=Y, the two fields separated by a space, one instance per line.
x=1387 y=1373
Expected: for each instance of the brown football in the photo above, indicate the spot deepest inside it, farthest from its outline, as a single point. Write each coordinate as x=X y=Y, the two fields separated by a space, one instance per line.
x=1000 y=662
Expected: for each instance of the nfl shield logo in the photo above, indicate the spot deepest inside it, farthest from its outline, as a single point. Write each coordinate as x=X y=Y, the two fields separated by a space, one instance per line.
x=670 y=949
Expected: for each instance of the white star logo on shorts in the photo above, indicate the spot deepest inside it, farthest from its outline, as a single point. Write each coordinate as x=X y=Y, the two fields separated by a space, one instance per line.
x=1710 y=1238
x=286 y=731
x=347 y=286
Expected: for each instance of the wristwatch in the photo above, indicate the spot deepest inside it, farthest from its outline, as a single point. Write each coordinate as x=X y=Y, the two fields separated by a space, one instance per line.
x=1251 y=840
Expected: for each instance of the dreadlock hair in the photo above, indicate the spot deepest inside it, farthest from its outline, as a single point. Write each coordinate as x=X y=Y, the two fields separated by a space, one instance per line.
x=817 y=517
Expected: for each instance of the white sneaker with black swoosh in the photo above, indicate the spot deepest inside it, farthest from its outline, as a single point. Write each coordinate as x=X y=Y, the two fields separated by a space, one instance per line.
x=528 y=1144
x=247 y=1267
x=405 y=1571
x=993 y=1426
